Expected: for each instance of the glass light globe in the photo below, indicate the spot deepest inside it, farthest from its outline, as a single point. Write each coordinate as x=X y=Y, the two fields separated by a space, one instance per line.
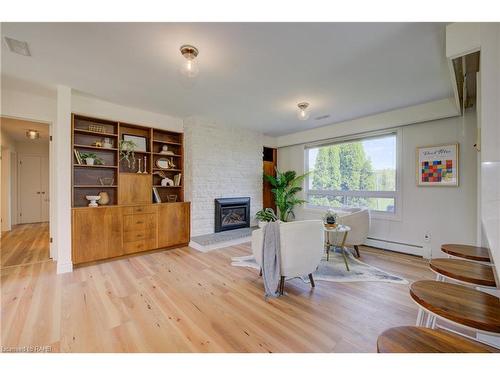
x=303 y=113
x=190 y=68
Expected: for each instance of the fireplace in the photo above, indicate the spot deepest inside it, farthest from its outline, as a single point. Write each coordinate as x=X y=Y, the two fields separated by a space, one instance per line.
x=232 y=213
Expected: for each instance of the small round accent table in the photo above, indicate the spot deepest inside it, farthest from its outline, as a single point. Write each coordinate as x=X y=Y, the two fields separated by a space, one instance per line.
x=477 y=274
x=458 y=304
x=425 y=340
x=479 y=254
x=340 y=235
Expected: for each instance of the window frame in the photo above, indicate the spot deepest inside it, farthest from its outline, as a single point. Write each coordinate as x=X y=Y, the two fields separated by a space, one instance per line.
x=397 y=194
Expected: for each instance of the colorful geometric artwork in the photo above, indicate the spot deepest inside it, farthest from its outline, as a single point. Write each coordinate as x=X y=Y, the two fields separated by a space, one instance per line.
x=437 y=170
x=437 y=165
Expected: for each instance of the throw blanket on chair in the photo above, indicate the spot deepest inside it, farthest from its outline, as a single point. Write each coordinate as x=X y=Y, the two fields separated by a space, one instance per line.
x=271 y=259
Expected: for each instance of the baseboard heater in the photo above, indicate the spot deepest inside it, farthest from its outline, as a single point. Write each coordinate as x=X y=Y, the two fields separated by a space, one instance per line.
x=399 y=247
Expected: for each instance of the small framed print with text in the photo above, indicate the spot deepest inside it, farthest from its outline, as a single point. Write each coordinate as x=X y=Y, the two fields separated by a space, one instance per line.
x=437 y=165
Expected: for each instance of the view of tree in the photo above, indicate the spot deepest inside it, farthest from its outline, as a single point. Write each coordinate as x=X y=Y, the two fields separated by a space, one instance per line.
x=346 y=167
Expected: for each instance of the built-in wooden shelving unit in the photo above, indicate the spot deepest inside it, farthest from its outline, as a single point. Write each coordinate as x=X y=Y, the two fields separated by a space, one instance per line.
x=88 y=179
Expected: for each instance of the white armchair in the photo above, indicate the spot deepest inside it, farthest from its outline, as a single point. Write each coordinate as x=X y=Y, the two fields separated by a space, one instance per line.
x=359 y=221
x=302 y=247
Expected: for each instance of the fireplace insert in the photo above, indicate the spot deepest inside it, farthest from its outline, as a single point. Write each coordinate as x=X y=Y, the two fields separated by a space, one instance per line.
x=232 y=213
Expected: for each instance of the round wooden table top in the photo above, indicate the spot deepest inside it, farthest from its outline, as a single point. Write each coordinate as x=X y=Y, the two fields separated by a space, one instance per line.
x=463 y=270
x=458 y=303
x=467 y=251
x=425 y=340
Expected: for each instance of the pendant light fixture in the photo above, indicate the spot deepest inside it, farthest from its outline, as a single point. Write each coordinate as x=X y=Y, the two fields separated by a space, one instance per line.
x=303 y=113
x=33 y=134
x=189 y=67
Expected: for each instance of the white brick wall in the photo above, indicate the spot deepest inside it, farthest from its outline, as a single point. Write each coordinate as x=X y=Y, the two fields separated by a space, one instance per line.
x=220 y=162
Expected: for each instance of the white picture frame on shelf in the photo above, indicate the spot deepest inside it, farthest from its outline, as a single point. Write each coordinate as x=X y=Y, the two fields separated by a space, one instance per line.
x=140 y=142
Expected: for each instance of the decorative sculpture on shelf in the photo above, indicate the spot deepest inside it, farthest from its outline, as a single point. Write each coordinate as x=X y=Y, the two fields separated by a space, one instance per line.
x=165 y=180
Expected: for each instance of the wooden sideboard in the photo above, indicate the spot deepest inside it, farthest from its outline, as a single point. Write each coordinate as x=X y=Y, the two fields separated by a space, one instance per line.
x=112 y=231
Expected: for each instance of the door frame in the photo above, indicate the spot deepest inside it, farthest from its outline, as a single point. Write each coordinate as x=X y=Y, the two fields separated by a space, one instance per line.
x=52 y=193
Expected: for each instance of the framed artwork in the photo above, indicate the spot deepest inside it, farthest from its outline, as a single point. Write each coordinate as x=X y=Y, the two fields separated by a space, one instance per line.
x=140 y=142
x=437 y=165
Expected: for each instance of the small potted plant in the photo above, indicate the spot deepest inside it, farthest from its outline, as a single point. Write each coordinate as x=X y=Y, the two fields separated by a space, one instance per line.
x=330 y=218
x=264 y=216
x=91 y=158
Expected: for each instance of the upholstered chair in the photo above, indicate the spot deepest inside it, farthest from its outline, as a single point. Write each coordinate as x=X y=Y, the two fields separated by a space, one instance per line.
x=302 y=247
x=359 y=221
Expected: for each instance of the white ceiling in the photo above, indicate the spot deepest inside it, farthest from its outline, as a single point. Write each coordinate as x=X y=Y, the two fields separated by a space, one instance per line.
x=16 y=129
x=251 y=74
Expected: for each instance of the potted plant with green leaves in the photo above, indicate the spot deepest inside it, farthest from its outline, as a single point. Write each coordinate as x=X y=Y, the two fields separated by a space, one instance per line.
x=285 y=186
x=265 y=216
x=91 y=158
x=330 y=218
x=127 y=152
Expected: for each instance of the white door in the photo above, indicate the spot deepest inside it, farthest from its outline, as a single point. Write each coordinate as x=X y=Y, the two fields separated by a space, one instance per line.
x=30 y=189
x=45 y=187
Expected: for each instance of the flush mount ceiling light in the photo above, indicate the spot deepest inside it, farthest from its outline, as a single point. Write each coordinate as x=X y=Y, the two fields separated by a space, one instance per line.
x=33 y=134
x=303 y=113
x=17 y=46
x=189 y=67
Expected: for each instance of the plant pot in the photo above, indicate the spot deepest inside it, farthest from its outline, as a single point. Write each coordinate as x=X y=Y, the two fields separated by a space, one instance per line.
x=89 y=161
x=261 y=224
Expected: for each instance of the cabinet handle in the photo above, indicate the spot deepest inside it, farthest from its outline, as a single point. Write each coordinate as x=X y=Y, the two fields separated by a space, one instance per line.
x=139 y=235
x=140 y=222
x=138 y=209
x=38 y=192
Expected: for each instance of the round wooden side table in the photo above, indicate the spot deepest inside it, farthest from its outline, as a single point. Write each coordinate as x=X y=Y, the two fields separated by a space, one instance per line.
x=457 y=304
x=480 y=254
x=425 y=340
x=464 y=271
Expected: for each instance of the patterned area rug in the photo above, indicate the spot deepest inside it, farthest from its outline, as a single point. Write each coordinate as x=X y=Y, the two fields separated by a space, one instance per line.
x=335 y=270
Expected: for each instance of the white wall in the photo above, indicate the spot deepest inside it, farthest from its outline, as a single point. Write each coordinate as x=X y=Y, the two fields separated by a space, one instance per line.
x=448 y=214
x=220 y=162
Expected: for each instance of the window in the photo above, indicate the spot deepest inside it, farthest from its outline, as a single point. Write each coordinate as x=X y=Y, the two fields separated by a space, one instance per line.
x=358 y=172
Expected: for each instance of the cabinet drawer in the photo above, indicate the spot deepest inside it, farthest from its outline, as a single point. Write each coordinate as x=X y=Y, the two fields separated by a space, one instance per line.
x=137 y=246
x=138 y=222
x=136 y=235
x=148 y=209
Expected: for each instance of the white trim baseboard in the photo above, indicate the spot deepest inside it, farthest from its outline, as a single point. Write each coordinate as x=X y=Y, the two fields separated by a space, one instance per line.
x=64 y=267
x=395 y=246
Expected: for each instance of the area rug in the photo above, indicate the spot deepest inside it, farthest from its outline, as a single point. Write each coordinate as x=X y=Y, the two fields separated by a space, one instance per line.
x=334 y=270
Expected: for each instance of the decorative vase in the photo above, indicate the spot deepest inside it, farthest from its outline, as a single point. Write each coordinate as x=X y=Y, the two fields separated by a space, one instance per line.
x=104 y=198
x=93 y=200
x=89 y=161
x=107 y=143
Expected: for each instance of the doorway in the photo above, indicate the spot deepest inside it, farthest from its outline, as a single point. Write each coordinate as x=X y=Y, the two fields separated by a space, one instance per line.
x=25 y=192
x=269 y=163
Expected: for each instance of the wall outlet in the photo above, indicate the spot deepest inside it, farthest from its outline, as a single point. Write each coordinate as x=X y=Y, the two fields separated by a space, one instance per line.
x=427 y=237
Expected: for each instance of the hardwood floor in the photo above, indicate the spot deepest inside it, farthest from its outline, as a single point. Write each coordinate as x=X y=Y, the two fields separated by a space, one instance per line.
x=186 y=301
x=24 y=244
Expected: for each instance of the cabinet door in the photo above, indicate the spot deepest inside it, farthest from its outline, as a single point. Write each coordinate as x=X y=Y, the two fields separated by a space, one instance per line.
x=97 y=233
x=135 y=188
x=173 y=224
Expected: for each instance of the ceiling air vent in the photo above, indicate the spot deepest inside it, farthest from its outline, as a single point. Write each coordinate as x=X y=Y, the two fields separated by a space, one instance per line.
x=321 y=117
x=17 y=46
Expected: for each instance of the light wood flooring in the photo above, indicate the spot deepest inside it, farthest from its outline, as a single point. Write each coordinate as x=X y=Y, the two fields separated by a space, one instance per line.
x=25 y=244
x=186 y=301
